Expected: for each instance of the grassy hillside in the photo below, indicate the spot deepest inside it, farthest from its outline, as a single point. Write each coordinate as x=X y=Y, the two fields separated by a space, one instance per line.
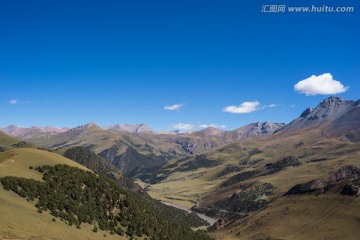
x=19 y=215
x=16 y=162
x=19 y=218
x=6 y=140
x=99 y=165
x=325 y=216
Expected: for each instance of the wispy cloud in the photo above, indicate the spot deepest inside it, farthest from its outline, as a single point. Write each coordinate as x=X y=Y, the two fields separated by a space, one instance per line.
x=245 y=107
x=174 y=107
x=212 y=125
x=323 y=84
x=183 y=126
x=15 y=101
x=269 y=106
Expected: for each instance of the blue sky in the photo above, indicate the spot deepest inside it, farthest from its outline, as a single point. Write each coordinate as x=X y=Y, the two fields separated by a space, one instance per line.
x=67 y=63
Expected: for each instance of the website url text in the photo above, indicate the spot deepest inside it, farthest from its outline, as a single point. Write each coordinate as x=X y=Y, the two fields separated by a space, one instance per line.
x=308 y=9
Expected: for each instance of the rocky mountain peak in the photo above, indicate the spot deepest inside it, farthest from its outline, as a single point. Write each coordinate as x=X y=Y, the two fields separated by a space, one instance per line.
x=334 y=99
x=83 y=129
x=89 y=125
x=270 y=127
x=257 y=129
x=332 y=102
x=329 y=107
x=328 y=110
x=265 y=128
x=10 y=129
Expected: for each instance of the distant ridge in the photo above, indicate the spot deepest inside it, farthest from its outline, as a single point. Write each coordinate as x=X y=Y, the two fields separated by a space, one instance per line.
x=257 y=129
x=130 y=128
x=31 y=132
x=209 y=132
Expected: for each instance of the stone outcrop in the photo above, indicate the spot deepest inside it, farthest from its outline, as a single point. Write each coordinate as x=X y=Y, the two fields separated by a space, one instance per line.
x=283 y=163
x=348 y=172
x=351 y=190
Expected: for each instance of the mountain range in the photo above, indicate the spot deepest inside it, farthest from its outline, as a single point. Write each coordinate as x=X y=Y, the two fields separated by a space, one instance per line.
x=32 y=132
x=135 y=147
x=243 y=183
x=255 y=180
x=253 y=129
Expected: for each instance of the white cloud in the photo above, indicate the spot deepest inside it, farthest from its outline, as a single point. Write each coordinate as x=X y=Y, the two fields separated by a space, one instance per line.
x=183 y=126
x=245 y=107
x=269 y=106
x=174 y=107
x=212 y=125
x=14 y=101
x=323 y=84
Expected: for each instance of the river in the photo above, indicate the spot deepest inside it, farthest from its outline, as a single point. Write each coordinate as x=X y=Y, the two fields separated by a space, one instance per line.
x=206 y=218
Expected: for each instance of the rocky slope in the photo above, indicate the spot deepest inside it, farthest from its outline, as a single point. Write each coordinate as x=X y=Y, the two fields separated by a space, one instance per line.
x=257 y=129
x=336 y=114
x=213 y=137
x=348 y=172
x=8 y=142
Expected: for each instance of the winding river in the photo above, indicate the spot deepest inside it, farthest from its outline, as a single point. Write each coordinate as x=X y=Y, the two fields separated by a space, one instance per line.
x=206 y=218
